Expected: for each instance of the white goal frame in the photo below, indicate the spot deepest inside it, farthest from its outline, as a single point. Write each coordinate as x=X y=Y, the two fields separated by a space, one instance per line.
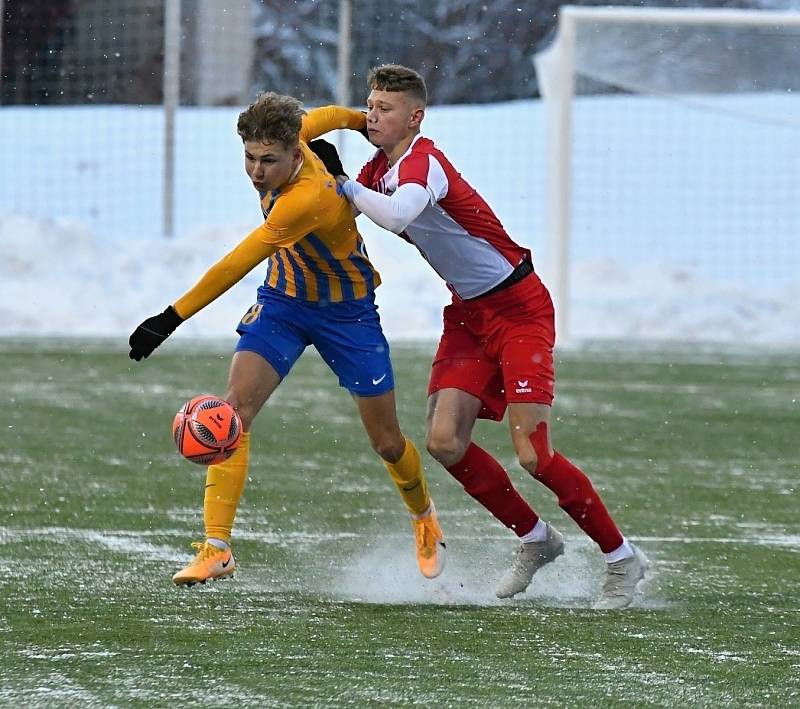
x=562 y=54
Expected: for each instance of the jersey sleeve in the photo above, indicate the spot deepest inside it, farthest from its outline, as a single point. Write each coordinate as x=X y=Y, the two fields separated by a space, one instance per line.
x=319 y=121
x=424 y=170
x=293 y=216
x=393 y=212
x=224 y=274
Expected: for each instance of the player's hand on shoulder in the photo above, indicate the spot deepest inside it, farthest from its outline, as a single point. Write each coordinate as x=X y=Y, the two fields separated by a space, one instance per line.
x=152 y=332
x=345 y=186
x=327 y=152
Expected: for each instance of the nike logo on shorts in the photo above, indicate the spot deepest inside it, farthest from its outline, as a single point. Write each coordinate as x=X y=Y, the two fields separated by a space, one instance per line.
x=375 y=382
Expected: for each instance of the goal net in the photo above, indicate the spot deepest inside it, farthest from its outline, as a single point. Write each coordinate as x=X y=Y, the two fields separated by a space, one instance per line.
x=674 y=165
x=106 y=108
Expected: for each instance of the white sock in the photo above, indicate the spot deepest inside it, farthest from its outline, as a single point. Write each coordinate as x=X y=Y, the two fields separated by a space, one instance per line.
x=623 y=551
x=537 y=534
x=219 y=543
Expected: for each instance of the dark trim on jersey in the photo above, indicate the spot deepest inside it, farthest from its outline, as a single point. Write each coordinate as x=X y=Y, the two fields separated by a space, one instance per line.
x=301 y=290
x=368 y=273
x=273 y=196
x=323 y=287
x=333 y=263
x=280 y=284
x=269 y=270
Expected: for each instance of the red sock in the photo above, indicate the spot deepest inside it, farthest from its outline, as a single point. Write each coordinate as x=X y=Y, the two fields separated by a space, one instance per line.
x=485 y=480
x=578 y=498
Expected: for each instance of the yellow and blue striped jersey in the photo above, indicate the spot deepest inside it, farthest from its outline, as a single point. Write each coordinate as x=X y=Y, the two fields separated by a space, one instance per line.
x=322 y=255
x=309 y=234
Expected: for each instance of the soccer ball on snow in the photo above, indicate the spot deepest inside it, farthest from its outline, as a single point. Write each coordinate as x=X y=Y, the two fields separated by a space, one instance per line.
x=207 y=430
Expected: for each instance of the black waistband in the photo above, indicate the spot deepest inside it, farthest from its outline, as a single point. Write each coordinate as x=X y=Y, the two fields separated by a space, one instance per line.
x=525 y=268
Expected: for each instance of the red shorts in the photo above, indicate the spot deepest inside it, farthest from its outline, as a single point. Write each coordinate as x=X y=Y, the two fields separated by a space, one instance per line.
x=499 y=348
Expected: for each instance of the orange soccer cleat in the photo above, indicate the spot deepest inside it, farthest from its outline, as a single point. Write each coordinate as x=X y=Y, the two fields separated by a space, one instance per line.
x=429 y=541
x=210 y=563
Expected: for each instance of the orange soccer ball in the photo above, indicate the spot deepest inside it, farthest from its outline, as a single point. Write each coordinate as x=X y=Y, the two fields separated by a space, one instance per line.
x=207 y=430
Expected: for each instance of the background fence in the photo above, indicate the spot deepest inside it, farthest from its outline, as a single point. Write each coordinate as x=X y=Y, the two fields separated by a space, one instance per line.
x=118 y=117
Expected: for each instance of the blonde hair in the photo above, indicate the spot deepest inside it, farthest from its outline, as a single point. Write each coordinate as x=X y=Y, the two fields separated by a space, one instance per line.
x=272 y=118
x=396 y=77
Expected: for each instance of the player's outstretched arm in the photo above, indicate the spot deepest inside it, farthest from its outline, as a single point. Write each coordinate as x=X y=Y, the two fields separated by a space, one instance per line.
x=393 y=212
x=319 y=121
x=152 y=332
x=229 y=270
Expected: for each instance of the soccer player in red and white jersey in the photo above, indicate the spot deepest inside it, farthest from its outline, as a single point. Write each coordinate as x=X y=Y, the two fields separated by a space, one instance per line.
x=496 y=351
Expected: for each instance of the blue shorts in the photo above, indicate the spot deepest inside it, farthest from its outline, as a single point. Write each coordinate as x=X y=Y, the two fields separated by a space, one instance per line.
x=347 y=335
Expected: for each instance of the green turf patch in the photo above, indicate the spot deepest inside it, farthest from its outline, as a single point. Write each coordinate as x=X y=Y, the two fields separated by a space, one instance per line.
x=693 y=450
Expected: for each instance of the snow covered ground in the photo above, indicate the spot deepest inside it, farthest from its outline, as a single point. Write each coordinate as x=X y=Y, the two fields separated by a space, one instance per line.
x=82 y=253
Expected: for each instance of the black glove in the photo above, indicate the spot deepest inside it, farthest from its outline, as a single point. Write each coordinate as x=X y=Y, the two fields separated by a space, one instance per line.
x=152 y=332
x=330 y=157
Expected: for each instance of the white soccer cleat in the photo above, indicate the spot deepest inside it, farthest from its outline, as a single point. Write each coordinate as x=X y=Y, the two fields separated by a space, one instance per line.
x=530 y=558
x=621 y=579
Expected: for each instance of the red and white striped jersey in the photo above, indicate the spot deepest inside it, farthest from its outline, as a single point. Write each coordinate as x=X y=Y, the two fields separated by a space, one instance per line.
x=457 y=232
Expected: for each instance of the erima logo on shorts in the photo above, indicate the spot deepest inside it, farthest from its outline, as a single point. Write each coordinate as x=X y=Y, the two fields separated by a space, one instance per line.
x=523 y=388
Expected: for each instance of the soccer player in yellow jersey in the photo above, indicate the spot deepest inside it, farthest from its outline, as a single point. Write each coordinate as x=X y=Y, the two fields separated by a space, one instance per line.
x=319 y=290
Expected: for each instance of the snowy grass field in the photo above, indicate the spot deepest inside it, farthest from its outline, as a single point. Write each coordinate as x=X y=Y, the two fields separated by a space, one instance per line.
x=695 y=451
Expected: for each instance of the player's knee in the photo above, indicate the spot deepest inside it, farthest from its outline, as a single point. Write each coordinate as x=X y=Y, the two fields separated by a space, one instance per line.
x=448 y=449
x=390 y=448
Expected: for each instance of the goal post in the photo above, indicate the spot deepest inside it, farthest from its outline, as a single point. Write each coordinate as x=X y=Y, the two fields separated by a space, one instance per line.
x=673 y=140
x=171 y=99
